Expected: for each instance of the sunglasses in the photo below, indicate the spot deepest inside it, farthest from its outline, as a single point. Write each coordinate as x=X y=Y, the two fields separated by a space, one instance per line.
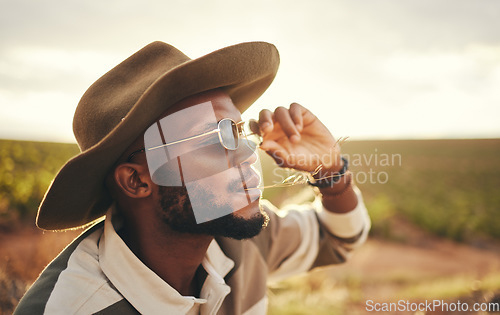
x=229 y=133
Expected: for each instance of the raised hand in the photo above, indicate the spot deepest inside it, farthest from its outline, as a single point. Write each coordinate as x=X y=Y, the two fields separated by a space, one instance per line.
x=295 y=138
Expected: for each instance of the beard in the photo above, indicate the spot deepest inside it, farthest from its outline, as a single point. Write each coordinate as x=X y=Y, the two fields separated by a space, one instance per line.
x=177 y=213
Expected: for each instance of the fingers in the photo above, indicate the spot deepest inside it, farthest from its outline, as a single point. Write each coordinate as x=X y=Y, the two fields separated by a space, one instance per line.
x=266 y=121
x=254 y=126
x=296 y=112
x=284 y=118
x=291 y=121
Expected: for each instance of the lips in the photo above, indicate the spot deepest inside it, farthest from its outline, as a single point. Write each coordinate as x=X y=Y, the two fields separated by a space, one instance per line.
x=250 y=186
x=252 y=181
x=249 y=182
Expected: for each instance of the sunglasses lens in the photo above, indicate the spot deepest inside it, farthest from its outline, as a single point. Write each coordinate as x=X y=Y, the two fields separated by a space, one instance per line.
x=229 y=134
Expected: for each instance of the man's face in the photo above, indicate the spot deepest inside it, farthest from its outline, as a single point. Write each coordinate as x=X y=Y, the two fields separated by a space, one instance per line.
x=203 y=187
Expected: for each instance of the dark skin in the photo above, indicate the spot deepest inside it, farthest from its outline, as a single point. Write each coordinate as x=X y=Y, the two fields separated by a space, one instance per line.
x=175 y=256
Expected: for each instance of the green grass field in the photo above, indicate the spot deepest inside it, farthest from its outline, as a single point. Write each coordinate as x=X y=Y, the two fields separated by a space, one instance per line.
x=445 y=188
x=26 y=170
x=448 y=187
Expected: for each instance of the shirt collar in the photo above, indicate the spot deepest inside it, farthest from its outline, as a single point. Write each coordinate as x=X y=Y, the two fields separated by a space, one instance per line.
x=216 y=258
x=143 y=288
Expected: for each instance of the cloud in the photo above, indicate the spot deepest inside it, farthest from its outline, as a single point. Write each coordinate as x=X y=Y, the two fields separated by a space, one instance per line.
x=372 y=61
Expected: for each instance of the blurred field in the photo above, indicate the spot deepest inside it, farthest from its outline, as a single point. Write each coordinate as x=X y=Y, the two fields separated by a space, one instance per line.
x=26 y=170
x=434 y=206
x=447 y=187
x=437 y=193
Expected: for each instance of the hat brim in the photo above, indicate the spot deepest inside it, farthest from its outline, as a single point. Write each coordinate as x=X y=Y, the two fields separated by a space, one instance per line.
x=77 y=196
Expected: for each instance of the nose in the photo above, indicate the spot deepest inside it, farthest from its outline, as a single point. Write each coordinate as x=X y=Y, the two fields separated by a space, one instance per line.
x=252 y=158
x=246 y=152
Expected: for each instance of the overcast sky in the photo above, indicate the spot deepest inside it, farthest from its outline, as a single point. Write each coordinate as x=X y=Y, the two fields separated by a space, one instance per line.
x=369 y=69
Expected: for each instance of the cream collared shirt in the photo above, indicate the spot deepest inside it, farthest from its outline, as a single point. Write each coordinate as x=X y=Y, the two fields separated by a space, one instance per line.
x=123 y=275
x=98 y=273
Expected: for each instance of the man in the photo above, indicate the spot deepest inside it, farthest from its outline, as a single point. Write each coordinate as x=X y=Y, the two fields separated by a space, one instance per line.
x=166 y=159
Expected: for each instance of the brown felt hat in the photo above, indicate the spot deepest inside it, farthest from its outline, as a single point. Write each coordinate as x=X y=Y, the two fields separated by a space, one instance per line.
x=124 y=102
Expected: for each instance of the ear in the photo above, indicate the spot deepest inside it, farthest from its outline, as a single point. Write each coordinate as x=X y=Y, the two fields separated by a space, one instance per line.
x=133 y=180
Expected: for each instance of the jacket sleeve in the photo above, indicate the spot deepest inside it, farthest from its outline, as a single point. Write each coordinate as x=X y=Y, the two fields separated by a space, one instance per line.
x=300 y=238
